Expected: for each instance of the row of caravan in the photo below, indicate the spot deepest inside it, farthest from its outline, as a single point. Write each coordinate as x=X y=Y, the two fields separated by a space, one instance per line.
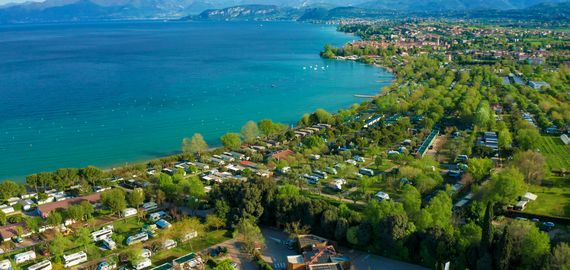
x=43 y=265
x=68 y=261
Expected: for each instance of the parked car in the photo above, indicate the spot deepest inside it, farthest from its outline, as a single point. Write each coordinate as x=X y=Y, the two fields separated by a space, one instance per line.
x=547 y=226
x=17 y=239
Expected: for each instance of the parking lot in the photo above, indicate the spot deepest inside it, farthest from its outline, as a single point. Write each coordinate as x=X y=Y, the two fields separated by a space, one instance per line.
x=276 y=254
x=235 y=254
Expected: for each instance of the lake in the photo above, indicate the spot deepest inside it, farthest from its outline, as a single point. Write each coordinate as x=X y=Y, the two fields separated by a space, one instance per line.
x=107 y=94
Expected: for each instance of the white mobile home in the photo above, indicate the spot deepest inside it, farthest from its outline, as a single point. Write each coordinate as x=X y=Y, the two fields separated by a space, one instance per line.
x=5 y=265
x=189 y=236
x=129 y=212
x=142 y=264
x=74 y=259
x=102 y=234
x=43 y=265
x=146 y=253
x=168 y=244
x=109 y=243
x=137 y=238
x=24 y=257
x=366 y=171
x=149 y=206
x=157 y=216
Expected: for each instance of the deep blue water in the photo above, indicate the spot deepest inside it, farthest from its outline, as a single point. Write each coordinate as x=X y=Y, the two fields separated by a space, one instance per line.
x=109 y=93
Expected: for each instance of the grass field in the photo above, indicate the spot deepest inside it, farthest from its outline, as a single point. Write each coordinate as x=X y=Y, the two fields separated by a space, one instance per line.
x=553 y=197
x=557 y=154
x=195 y=245
x=554 y=192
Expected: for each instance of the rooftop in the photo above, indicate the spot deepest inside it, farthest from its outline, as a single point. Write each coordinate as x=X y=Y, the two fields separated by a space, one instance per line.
x=45 y=209
x=186 y=258
x=164 y=266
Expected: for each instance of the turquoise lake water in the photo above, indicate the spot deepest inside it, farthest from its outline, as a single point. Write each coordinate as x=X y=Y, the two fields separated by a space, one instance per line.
x=105 y=94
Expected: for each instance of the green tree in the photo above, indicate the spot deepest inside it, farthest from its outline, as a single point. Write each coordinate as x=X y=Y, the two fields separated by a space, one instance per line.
x=195 y=191
x=249 y=234
x=411 y=199
x=231 y=140
x=534 y=248
x=9 y=189
x=288 y=191
x=364 y=233
x=528 y=138
x=352 y=235
x=54 y=218
x=33 y=224
x=504 y=249
x=341 y=229
x=83 y=238
x=194 y=145
x=91 y=174
x=487 y=226
x=114 y=200
x=268 y=128
x=88 y=209
x=3 y=219
x=480 y=167
x=75 y=212
x=135 y=197
x=440 y=210
x=58 y=245
x=505 y=187
x=214 y=222
x=505 y=139
x=250 y=131
x=559 y=259
x=532 y=165
x=322 y=116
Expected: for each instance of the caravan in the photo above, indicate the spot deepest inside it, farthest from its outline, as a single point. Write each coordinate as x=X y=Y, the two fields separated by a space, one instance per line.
x=5 y=265
x=149 y=206
x=109 y=243
x=142 y=264
x=43 y=265
x=24 y=257
x=366 y=171
x=137 y=238
x=157 y=216
x=129 y=212
x=74 y=259
x=102 y=234
x=168 y=244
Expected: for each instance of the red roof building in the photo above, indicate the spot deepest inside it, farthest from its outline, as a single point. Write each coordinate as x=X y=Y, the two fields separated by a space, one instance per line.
x=45 y=209
x=282 y=154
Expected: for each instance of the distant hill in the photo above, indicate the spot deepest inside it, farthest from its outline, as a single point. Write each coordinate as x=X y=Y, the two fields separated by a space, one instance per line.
x=248 y=12
x=81 y=10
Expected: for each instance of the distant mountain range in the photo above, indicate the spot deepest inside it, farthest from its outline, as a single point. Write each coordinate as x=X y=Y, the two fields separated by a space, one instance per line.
x=82 y=10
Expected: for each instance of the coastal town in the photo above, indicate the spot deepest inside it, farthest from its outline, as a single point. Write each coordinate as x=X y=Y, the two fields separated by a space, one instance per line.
x=462 y=162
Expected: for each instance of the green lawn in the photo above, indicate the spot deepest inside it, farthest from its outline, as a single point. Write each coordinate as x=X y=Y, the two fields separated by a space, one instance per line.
x=557 y=154
x=194 y=245
x=553 y=197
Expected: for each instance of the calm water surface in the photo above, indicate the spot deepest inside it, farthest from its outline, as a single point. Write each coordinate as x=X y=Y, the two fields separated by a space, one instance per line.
x=106 y=94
